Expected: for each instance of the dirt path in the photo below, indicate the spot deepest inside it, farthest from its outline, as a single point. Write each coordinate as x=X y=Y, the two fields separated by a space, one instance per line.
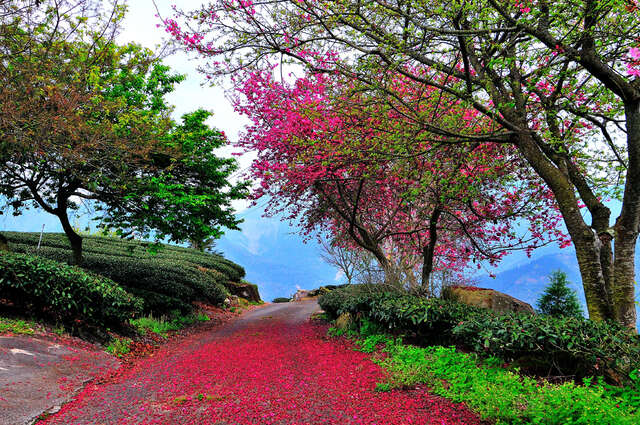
x=269 y=366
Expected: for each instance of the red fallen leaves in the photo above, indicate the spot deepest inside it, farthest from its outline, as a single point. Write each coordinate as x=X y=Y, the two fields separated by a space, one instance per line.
x=266 y=373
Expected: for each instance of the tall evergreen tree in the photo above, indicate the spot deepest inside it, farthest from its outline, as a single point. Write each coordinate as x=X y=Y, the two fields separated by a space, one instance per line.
x=558 y=299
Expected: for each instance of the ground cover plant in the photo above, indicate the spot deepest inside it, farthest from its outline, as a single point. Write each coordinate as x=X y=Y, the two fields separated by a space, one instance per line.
x=16 y=326
x=500 y=394
x=165 y=277
x=163 y=325
x=119 y=346
x=490 y=387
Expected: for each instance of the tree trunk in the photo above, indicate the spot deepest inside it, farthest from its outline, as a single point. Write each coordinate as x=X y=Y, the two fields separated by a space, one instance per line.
x=74 y=239
x=429 y=249
x=588 y=246
x=588 y=254
x=627 y=226
x=4 y=243
x=624 y=280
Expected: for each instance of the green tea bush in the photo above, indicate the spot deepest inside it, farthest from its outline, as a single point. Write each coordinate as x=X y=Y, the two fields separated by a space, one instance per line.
x=137 y=249
x=168 y=280
x=574 y=346
x=569 y=346
x=155 y=303
x=67 y=293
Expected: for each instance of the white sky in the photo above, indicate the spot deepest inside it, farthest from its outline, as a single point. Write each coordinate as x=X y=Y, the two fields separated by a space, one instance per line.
x=194 y=92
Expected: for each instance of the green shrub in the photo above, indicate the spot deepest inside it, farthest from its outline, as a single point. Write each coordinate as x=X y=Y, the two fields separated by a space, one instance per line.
x=66 y=293
x=281 y=300
x=166 y=281
x=571 y=345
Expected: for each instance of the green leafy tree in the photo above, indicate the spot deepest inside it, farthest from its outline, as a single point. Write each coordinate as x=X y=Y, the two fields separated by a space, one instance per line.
x=83 y=119
x=188 y=199
x=558 y=299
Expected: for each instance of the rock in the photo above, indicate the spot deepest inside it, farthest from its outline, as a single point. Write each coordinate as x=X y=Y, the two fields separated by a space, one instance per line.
x=300 y=294
x=4 y=243
x=319 y=292
x=345 y=322
x=244 y=290
x=489 y=298
x=227 y=302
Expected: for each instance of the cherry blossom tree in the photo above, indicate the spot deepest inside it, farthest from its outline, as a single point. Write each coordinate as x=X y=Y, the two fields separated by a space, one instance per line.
x=346 y=164
x=558 y=81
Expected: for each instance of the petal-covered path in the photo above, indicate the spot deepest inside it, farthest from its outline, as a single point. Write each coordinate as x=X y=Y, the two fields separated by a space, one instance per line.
x=270 y=366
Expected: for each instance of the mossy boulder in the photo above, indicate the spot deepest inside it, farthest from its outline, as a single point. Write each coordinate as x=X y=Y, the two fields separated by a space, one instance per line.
x=244 y=290
x=319 y=292
x=489 y=299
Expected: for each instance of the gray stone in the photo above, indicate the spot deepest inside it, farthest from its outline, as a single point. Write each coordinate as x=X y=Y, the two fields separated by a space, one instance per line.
x=490 y=299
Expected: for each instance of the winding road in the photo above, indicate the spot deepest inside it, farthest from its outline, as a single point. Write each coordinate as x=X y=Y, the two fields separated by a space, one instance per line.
x=271 y=365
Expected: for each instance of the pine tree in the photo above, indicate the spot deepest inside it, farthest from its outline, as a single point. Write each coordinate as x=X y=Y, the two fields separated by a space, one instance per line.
x=558 y=299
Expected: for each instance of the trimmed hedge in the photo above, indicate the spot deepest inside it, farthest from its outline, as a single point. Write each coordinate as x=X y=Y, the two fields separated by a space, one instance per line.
x=137 y=249
x=174 y=280
x=155 y=302
x=573 y=346
x=64 y=292
x=167 y=281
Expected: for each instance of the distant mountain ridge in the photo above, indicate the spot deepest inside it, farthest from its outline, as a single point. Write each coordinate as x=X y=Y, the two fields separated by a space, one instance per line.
x=275 y=257
x=527 y=281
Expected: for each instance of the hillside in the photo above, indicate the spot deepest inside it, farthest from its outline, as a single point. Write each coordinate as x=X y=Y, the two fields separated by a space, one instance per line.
x=168 y=278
